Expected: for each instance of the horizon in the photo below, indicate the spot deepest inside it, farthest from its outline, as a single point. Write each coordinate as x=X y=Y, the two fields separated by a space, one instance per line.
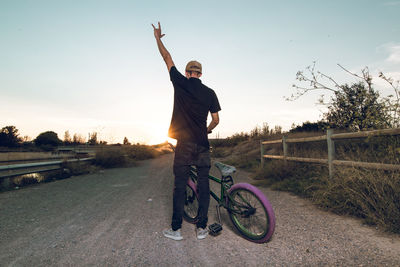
x=94 y=66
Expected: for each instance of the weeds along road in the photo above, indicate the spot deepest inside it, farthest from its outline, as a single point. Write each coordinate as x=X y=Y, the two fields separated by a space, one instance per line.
x=115 y=218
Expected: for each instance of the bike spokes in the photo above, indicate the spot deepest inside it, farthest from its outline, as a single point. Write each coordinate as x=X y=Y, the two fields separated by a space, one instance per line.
x=249 y=214
x=191 y=205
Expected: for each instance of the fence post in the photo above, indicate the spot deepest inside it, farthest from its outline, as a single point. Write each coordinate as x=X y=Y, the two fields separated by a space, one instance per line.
x=262 y=154
x=331 y=151
x=284 y=149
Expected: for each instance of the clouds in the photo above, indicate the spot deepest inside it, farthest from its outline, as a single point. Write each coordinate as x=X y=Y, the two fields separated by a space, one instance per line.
x=390 y=56
x=394 y=53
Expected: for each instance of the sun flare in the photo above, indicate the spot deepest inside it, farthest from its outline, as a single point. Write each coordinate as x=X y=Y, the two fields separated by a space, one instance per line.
x=159 y=135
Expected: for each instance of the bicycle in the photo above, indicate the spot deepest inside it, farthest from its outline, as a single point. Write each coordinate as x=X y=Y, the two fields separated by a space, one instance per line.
x=248 y=208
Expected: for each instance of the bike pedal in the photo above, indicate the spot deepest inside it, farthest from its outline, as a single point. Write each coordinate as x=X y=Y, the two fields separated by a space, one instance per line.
x=215 y=228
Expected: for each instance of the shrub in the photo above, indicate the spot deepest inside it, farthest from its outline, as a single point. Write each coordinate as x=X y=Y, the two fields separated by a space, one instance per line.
x=300 y=178
x=110 y=158
x=141 y=152
x=371 y=195
x=9 y=137
x=47 y=139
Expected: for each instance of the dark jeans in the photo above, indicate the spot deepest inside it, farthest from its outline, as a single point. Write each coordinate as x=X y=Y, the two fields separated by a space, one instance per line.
x=188 y=154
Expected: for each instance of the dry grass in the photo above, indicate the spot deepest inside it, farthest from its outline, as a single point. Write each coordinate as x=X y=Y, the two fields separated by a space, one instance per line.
x=244 y=155
x=111 y=157
x=371 y=195
x=128 y=155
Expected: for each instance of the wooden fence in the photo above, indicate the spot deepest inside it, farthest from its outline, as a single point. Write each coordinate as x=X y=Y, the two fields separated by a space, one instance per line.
x=330 y=137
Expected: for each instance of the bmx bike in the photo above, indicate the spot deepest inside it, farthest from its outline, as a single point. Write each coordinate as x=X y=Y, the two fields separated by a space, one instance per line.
x=248 y=208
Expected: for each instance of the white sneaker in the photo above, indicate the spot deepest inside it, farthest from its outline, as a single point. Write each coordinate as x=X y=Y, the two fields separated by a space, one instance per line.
x=175 y=235
x=201 y=233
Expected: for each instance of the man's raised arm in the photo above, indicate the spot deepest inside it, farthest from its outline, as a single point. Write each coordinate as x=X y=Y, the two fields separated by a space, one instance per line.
x=163 y=51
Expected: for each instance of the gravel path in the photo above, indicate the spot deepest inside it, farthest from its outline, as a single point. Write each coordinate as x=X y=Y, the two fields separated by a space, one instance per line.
x=115 y=218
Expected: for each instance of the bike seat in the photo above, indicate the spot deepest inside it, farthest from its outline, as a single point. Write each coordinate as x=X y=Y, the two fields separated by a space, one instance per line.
x=226 y=170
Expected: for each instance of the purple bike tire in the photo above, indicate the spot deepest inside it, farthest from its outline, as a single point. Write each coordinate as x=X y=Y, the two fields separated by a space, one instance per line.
x=267 y=206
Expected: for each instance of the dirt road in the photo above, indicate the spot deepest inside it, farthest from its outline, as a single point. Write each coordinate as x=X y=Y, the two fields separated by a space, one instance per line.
x=115 y=218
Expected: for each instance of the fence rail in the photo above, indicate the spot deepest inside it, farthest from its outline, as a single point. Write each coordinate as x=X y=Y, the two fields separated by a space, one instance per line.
x=330 y=137
x=27 y=168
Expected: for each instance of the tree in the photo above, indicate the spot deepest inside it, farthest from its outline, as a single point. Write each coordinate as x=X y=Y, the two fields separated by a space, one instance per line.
x=92 y=138
x=26 y=139
x=78 y=139
x=393 y=101
x=126 y=141
x=67 y=138
x=310 y=127
x=356 y=107
x=48 y=138
x=9 y=137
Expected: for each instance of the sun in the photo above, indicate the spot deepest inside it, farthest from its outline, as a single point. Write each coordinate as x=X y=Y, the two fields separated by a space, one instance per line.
x=159 y=135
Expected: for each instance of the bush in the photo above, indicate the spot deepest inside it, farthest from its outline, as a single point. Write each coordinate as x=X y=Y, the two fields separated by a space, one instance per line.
x=110 y=158
x=371 y=195
x=141 y=152
x=300 y=178
x=47 y=139
x=9 y=137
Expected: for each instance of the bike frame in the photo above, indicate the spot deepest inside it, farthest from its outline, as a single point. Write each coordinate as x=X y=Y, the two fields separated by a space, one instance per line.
x=221 y=200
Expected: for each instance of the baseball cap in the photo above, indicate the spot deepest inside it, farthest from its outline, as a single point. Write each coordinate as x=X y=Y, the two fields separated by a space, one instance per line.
x=193 y=66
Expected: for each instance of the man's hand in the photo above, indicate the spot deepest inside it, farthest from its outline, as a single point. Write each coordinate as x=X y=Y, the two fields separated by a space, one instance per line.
x=157 y=32
x=163 y=51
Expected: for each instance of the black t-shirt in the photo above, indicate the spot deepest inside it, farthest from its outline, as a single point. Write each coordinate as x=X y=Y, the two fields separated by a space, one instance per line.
x=192 y=102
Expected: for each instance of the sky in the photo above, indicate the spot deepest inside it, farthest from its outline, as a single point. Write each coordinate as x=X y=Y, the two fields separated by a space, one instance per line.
x=93 y=66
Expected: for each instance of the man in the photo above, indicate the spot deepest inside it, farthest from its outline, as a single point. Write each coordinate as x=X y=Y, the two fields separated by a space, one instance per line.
x=192 y=102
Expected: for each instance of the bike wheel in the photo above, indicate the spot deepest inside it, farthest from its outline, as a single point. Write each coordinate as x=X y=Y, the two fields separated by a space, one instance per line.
x=251 y=212
x=191 y=205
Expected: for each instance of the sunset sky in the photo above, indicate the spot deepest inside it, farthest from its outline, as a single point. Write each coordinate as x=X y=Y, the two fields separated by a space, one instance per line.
x=93 y=66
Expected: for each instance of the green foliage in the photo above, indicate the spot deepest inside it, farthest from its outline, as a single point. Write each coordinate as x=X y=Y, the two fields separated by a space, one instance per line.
x=9 y=137
x=47 y=139
x=310 y=127
x=357 y=108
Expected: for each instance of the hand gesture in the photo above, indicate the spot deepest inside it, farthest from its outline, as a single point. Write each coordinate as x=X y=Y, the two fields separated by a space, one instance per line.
x=157 y=32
